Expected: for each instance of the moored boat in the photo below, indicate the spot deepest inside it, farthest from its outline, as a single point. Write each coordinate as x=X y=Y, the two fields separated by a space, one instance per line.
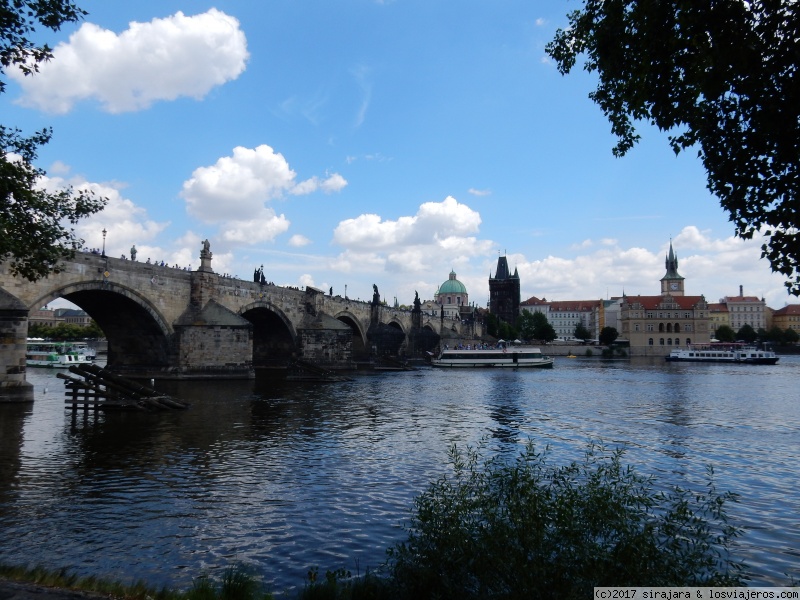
x=496 y=357
x=723 y=353
x=57 y=355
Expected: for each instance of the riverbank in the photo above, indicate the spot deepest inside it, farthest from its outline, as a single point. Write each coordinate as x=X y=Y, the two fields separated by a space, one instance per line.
x=16 y=590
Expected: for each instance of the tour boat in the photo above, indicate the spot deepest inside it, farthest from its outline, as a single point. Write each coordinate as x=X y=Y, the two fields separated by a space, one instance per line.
x=57 y=355
x=723 y=353
x=497 y=357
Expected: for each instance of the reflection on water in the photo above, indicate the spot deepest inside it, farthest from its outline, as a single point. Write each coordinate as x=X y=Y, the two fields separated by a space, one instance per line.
x=288 y=476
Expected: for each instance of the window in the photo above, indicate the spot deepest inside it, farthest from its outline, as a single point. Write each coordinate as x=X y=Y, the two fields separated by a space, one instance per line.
x=650 y=327
x=677 y=327
x=661 y=328
x=687 y=327
x=669 y=327
x=688 y=341
x=650 y=341
x=636 y=327
x=669 y=341
x=661 y=341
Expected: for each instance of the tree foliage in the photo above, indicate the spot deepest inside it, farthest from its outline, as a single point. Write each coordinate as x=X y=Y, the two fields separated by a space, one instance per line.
x=524 y=528
x=747 y=334
x=535 y=326
x=581 y=332
x=725 y=333
x=492 y=325
x=506 y=331
x=721 y=77
x=525 y=324
x=790 y=336
x=35 y=224
x=65 y=331
x=608 y=335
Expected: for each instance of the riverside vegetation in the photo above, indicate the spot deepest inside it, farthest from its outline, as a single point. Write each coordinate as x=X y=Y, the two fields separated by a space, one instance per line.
x=494 y=528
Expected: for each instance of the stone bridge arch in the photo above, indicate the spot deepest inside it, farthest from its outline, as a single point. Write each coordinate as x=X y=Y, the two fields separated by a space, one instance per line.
x=275 y=338
x=360 y=348
x=388 y=338
x=138 y=334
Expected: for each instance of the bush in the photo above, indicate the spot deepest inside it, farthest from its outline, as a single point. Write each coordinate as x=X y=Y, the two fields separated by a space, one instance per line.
x=526 y=529
x=341 y=585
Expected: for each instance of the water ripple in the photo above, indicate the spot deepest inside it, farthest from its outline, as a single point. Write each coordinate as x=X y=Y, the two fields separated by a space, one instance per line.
x=285 y=478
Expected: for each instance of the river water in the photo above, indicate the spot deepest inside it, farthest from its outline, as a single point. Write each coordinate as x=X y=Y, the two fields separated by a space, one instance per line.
x=285 y=477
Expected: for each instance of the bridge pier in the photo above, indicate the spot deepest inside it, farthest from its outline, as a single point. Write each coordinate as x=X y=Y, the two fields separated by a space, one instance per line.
x=13 y=342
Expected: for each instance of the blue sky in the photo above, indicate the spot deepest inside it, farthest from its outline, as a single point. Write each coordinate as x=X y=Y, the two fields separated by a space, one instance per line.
x=360 y=141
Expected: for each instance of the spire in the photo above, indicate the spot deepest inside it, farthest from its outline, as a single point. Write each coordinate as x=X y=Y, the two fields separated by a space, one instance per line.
x=671 y=264
x=502 y=268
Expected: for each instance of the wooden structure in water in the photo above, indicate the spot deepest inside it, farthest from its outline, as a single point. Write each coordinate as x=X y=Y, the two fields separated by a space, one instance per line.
x=97 y=389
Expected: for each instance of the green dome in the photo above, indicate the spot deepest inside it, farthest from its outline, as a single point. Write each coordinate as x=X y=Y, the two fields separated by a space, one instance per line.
x=452 y=286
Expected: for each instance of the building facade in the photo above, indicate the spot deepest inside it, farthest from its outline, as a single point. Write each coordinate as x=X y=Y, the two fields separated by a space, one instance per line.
x=565 y=315
x=504 y=292
x=73 y=316
x=654 y=325
x=718 y=315
x=746 y=310
x=787 y=317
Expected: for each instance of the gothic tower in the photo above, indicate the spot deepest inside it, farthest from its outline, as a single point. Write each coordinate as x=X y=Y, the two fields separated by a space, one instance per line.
x=671 y=282
x=504 y=293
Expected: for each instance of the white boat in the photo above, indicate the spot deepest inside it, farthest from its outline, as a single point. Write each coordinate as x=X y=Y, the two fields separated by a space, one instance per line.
x=83 y=349
x=723 y=353
x=497 y=357
x=57 y=355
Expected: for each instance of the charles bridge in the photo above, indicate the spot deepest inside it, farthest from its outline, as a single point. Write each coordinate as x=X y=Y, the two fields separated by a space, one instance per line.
x=171 y=323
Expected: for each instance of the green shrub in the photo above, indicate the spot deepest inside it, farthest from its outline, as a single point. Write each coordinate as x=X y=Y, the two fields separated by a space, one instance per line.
x=237 y=583
x=527 y=529
x=588 y=352
x=341 y=585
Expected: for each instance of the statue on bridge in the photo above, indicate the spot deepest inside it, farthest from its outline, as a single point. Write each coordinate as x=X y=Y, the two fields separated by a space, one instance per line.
x=133 y=252
x=376 y=297
x=205 y=258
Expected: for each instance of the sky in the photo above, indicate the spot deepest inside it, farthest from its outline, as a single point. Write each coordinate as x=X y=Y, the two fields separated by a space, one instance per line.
x=359 y=142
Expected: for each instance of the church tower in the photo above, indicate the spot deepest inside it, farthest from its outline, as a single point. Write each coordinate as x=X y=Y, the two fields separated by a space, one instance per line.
x=672 y=282
x=504 y=293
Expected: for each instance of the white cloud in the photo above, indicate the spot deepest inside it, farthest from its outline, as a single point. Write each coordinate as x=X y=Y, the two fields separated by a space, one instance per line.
x=476 y=192
x=164 y=59
x=434 y=221
x=332 y=183
x=713 y=267
x=298 y=241
x=235 y=189
x=125 y=223
x=263 y=227
x=237 y=186
x=430 y=243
